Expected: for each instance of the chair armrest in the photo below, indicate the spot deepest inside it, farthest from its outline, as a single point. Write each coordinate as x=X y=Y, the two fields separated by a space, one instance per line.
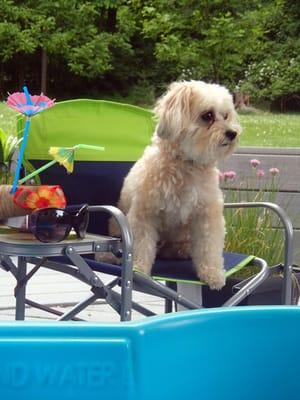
x=250 y=284
x=288 y=244
x=127 y=259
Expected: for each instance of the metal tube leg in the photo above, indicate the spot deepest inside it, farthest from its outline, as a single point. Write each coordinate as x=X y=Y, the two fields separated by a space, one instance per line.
x=78 y=308
x=20 y=292
x=127 y=261
x=126 y=285
x=168 y=302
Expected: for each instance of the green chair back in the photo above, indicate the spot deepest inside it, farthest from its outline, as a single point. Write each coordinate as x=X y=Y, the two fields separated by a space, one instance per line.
x=123 y=129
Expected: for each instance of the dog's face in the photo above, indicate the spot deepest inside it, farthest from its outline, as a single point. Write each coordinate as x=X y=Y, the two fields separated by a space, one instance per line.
x=201 y=118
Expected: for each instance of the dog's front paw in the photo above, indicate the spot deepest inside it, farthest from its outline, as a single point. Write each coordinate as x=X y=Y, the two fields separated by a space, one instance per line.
x=108 y=258
x=214 y=277
x=142 y=266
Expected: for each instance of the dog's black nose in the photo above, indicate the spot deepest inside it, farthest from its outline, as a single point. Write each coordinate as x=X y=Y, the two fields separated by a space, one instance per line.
x=230 y=134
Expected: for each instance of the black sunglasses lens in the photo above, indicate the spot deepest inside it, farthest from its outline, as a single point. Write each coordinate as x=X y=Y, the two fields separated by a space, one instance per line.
x=52 y=225
x=81 y=222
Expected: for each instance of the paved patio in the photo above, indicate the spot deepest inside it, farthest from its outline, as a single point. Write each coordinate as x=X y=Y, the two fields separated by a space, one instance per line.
x=52 y=288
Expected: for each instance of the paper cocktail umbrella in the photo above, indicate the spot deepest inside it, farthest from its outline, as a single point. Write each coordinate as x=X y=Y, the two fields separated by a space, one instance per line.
x=62 y=155
x=27 y=105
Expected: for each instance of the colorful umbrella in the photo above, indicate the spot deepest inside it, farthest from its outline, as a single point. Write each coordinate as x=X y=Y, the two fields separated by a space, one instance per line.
x=27 y=105
x=64 y=156
x=43 y=196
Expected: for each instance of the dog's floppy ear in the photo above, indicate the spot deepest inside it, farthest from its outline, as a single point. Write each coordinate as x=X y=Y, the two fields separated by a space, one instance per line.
x=173 y=110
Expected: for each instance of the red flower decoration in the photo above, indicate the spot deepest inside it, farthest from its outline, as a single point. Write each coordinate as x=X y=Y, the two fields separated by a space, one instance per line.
x=44 y=197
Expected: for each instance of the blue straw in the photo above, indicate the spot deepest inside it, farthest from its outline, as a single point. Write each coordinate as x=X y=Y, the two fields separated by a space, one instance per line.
x=24 y=142
x=27 y=95
x=21 y=155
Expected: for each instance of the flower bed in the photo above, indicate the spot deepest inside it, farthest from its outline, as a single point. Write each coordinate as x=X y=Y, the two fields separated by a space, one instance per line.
x=263 y=174
x=251 y=231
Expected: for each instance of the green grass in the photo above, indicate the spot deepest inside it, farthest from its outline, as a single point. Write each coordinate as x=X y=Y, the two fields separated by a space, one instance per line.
x=8 y=119
x=259 y=129
x=270 y=130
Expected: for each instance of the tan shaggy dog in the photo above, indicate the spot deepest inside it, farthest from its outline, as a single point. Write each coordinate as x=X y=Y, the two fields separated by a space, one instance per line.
x=171 y=195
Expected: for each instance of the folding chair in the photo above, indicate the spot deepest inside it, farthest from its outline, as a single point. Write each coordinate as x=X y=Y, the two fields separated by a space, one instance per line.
x=124 y=130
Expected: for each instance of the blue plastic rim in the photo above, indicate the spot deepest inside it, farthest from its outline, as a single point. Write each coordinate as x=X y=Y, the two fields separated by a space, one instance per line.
x=239 y=353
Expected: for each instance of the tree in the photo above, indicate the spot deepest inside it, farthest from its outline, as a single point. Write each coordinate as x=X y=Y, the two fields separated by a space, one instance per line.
x=71 y=32
x=137 y=46
x=199 y=39
x=273 y=74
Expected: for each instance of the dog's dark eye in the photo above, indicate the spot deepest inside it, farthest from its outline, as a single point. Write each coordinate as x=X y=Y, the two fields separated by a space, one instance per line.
x=208 y=116
x=225 y=116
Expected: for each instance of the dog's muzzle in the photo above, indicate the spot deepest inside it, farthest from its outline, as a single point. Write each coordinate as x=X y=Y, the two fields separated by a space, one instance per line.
x=231 y=135
x=229 y=138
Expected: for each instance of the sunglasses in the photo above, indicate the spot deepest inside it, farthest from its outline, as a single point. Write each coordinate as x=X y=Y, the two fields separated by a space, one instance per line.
x=51 y=225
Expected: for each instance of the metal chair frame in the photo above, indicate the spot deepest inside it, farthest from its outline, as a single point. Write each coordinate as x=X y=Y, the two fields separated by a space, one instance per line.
x=40 y=255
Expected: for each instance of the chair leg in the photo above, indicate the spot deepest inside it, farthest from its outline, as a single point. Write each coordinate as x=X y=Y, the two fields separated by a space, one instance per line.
x=48 y=309
x=168 y=302
x=78 y=308
x=20 y=291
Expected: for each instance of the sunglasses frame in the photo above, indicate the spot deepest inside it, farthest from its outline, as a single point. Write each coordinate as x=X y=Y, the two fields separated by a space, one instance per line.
x=73 y=212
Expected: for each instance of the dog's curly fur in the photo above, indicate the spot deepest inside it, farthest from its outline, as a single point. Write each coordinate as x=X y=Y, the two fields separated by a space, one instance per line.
x=171 y=195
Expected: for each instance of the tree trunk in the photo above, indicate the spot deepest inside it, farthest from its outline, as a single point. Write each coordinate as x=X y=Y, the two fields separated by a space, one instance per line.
x=241 y=100
x=44 y=71
x=21 y=72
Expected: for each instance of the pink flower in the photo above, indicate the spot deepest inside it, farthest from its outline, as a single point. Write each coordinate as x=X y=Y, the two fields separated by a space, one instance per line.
x=274 y=171
x=260 y=173
x=254 y=162
x=229 y=175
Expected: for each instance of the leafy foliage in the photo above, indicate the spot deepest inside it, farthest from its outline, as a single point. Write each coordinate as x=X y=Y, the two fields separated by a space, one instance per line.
x=115 y=45
x=8 y=145
x=274 y=70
